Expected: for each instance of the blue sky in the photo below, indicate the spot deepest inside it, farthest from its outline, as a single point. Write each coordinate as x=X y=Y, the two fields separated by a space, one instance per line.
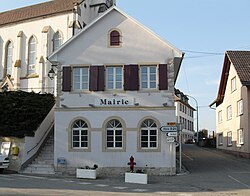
x=196 y=27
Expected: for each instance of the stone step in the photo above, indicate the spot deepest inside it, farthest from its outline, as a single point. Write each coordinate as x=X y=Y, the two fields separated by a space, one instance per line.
x=38 y=171
x=40 y=166
x=51 y=162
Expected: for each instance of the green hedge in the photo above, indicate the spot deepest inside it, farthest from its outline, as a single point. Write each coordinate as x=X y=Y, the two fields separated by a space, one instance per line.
x=21 y=113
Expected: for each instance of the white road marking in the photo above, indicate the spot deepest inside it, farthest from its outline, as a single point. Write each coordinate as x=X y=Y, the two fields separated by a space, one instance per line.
x=239 y=181
x=101 y=185
x=26 y=176
x=54 y=179
x=69 y=181
x=84 y=183
x=120 y=187
x=139 y=190
x=188 y=156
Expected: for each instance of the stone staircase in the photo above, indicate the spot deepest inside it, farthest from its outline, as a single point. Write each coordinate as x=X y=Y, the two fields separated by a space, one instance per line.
x=44 y=162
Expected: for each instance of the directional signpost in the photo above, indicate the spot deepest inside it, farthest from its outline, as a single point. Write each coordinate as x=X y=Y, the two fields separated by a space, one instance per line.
x=168 y=128
x=171 y=134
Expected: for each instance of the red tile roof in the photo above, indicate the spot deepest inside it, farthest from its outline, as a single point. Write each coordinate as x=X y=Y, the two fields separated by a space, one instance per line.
x=241 y=62
x=36 y=11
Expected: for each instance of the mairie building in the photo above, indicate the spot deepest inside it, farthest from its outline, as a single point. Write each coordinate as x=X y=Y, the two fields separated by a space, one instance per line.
x=113 y=79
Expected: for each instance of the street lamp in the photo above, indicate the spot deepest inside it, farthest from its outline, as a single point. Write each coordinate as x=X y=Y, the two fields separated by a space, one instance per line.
x=197 y=113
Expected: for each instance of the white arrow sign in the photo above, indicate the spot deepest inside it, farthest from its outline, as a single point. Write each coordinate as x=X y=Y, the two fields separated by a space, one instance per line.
x=168 y=128
x=170 y=139
x=171 y=134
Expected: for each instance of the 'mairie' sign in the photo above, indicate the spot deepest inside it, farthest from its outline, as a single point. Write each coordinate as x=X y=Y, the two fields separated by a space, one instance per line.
x=105 y=102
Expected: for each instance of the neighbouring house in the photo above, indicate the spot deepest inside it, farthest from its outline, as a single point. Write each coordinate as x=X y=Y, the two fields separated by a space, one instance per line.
x=115 y=87
x=28 y=36
x=184 y=115
x=232 y=104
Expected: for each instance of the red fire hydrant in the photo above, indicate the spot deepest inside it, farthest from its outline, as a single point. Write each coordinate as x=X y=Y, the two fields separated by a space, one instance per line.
x=131 y=164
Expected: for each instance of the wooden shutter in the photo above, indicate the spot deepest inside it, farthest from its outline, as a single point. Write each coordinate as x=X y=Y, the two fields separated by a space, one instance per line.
x=131 y=78
x=66 y=83
x=96 y=80
x=114 y=38
x=163 y=77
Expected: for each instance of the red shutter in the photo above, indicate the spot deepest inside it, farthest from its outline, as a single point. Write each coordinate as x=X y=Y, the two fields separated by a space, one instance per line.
x=163 y=77
x=96 y=80
x=66 y=83
x=131 y=78
x=114 y=38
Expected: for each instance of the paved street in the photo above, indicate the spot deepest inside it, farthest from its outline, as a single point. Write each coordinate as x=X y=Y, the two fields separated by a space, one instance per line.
x=210 y=173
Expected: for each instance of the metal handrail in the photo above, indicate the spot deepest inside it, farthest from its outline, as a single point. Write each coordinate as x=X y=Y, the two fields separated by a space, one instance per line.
x=51 y=125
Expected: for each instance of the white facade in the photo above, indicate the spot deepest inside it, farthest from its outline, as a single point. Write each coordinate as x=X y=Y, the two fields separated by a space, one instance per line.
x=109 y=147
x=27 y=64
x=185 y=116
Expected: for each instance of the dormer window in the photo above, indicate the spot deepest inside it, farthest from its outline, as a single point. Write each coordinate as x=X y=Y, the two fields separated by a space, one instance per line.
x=115 y=38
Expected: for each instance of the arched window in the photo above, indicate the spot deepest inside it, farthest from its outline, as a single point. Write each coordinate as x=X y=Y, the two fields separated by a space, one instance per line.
x=114 y=135
x=57 y=40
x=149 y=134
x=115 y=38
x=80 y=135
x=32 y=55
x=9 y=56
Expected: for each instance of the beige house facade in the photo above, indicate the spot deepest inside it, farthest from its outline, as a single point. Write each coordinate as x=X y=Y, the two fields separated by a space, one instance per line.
x=232 y=104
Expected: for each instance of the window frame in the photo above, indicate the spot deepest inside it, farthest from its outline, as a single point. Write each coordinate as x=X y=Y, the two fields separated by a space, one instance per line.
x=118 y=38
x=233 y=84
x=8 y=58
x=229 y=112
x=220 y=139
x=220 y=119
x=114 y=77
x=229 y=138
x=80 y=129
x=32 y=61
x=114 y=136
x=240 y=107
x=240 y=134
x=148 y=129
x=81 y=75
x=148 y=81
x=57 y=38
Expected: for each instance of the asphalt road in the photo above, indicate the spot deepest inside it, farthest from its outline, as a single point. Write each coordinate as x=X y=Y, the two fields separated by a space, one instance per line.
x=210 y=172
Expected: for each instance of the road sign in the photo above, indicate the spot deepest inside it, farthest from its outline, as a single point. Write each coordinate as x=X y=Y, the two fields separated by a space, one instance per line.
x=168 y=128
x=171 y=123
x=170 y=139
x=171 y=134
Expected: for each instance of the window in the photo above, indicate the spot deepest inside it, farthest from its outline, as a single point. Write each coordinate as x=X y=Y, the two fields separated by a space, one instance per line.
x=80 y=134
x=229 y=138
x=114 y=38
x=220 y=139
x=57 y=40
x=9 y=54
x=149 y=134
x=233 y=84
x=240 y=107
x=229 y=112
x=148 y=77
x=81 y=78
x=114 y=78
x=220 y=116
x=114 y=135
x=240 y=137
x=32 y=55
